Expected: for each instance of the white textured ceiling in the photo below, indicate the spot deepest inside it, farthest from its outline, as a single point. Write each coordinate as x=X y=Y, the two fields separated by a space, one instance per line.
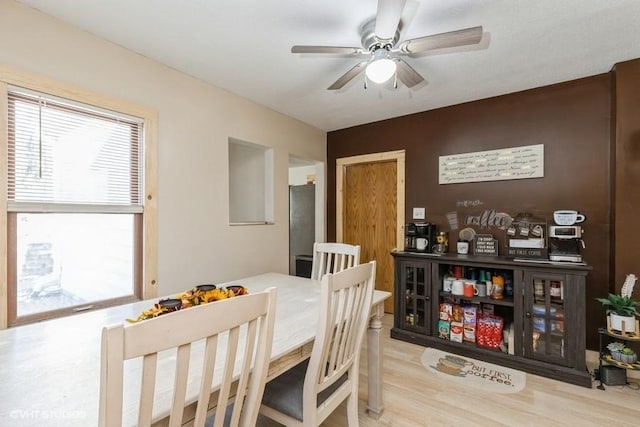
x=244 y=47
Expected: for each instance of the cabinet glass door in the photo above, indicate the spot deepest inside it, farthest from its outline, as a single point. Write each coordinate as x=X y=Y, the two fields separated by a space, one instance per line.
x=416 y=304
x=545 y=317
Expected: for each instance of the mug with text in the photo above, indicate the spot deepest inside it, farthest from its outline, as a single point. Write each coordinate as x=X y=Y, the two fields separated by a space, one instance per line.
x=447 y=284
x=567 y=217
x=463 y=247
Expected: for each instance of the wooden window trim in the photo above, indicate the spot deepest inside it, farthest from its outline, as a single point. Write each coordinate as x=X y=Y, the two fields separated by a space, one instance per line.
x=149 y=241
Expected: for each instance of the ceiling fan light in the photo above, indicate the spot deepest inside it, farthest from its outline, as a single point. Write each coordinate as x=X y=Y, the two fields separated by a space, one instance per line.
x=380 y=70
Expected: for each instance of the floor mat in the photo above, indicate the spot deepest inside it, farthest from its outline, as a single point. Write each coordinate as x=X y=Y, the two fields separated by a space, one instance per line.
x=473 y=372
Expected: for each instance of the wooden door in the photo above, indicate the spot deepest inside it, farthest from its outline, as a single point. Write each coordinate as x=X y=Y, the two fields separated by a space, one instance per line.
x=369 y=217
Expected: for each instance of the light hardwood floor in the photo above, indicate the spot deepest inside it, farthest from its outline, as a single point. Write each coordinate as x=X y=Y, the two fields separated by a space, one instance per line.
x=415 y=397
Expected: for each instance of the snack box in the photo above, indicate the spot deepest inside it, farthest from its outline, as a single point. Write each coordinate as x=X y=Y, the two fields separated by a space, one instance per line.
x=469 y=333
x=456 y=332
x=469 y=314
x=457 y=313
x=488 y=309
x=489 y=331
x=469 y=324
x=444 y=329
x=446 y=310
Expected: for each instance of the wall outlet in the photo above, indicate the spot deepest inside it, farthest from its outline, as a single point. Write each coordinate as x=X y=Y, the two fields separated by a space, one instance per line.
x=418 y=213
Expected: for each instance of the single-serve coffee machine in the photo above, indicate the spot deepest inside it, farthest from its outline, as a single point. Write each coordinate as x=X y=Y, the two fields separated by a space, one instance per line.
x=419 y=237
x=565 y=238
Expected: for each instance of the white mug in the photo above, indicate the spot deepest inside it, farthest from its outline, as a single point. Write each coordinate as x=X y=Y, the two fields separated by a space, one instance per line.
x=421 y=243
x=481 y=288
x=489 y=287
x=447 y=284
x=457 y=287
x=567 y=217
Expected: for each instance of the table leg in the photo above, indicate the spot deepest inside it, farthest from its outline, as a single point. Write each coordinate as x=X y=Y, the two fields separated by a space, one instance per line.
x=374 y=361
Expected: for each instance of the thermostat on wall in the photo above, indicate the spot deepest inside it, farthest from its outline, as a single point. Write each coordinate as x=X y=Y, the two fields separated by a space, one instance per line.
x=418 y=213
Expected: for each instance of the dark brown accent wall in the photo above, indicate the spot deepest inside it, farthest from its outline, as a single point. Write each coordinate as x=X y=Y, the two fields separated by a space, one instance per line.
x=572 y=120
x=626 y=245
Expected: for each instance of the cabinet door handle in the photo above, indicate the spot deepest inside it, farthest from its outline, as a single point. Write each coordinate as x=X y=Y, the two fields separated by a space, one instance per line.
x=528 y=315
x=427 y=298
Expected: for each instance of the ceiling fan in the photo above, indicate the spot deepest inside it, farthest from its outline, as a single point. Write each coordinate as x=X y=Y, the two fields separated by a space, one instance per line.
x=382 y=51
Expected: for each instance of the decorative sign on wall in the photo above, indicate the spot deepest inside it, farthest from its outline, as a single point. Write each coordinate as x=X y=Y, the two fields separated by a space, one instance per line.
x=493 y=165
x=485 y=244
x=489 y=218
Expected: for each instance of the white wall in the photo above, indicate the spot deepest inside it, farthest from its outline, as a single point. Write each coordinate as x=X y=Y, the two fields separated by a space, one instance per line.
x=196 y=244
x=298 y=175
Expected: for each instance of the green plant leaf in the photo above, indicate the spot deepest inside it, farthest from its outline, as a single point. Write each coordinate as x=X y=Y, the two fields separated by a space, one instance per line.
x=621 y=305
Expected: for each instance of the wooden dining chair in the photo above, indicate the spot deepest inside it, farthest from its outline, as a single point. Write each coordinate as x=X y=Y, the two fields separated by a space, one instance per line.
x=308 y=393
x=230 y=339
x=332 y=258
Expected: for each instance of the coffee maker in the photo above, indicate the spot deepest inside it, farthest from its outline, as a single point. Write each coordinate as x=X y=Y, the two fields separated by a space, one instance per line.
x=419 y=237
x=565 y=238
x=410 y=237
x=565 y=242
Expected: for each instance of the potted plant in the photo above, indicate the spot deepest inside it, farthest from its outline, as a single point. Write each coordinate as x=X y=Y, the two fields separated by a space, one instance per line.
x=622 y=308
x=619 y=351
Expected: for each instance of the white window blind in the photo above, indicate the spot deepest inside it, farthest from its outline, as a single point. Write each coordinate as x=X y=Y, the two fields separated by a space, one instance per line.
x=70 y=157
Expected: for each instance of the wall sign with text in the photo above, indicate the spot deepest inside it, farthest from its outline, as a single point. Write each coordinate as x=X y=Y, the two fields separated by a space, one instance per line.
x=493 y=165
x=485 y=244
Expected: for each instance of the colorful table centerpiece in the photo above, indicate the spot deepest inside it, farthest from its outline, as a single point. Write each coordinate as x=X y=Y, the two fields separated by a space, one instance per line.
x=201 y=294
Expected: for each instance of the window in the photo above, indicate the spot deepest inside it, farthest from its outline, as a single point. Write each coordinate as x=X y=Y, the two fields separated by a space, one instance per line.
x=75 y=206
x=250 y=183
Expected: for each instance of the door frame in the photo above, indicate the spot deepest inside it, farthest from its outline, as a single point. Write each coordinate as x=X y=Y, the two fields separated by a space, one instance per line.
x=341 y=166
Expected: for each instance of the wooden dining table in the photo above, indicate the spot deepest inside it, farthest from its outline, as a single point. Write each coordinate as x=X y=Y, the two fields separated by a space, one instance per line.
x=50 y=371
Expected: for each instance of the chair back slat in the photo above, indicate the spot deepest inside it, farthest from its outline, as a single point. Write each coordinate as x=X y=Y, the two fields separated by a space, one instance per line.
x=244 y=377
x=227 y=374
x=211 y=345
x=147 y=389
x=333 y=258
x=180 y=384
x=245 y=327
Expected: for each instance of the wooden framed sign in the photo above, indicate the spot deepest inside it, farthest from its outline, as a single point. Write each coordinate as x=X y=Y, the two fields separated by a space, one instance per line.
x=485 y=244
x=493 y=165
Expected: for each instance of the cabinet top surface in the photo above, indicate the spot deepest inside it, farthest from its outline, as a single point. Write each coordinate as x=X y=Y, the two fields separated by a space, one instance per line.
x=490 y=260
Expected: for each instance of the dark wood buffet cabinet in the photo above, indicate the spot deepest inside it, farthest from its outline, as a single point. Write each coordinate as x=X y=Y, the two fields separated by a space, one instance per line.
x=543 y=308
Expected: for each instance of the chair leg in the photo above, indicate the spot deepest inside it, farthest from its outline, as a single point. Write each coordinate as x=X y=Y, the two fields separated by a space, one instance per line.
x=352 y=410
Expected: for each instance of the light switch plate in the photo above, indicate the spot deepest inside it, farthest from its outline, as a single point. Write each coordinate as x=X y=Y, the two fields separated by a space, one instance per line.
x=418 y=213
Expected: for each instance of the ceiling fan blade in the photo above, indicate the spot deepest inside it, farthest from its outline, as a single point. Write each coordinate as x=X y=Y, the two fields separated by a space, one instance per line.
x=349 y=75
x=335 y=50
x=463 y=37
x=407 y=75
x=388 y=18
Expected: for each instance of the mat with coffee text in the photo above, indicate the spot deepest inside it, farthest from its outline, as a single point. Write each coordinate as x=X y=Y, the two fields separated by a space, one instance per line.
x=473 y=372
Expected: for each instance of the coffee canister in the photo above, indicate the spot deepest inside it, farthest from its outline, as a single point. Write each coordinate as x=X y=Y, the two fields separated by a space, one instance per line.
x=497 y=288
